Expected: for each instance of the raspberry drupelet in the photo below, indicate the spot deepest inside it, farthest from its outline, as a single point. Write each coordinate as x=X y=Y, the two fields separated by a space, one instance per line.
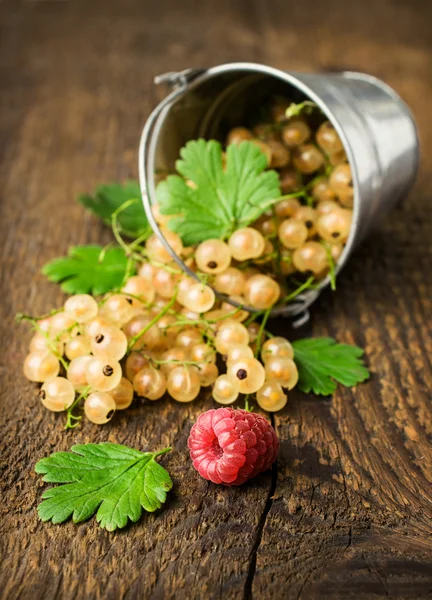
x=230 y=446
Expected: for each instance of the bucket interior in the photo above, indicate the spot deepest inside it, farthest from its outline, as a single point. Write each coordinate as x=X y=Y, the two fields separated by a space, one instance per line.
x=211 y=107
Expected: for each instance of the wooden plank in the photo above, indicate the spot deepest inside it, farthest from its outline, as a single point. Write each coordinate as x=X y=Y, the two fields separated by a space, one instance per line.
x=347 y=513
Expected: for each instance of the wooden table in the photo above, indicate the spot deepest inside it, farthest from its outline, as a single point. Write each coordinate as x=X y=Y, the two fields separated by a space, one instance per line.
x=348 y=512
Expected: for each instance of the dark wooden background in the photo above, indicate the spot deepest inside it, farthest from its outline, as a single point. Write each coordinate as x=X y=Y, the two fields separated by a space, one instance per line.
x=348 y=512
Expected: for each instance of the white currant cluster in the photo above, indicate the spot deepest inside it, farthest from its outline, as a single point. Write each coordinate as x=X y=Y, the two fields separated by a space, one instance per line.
x=166 y=332
x=305 y=232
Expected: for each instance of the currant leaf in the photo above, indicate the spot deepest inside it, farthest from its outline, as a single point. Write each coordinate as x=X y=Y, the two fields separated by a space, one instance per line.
x=88 y=269
x=111 y=480
x=109 y=197
x=218 y=199
x=322 y=362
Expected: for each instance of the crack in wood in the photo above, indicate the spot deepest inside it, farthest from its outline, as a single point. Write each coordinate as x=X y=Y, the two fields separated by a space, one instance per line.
x=259 y=534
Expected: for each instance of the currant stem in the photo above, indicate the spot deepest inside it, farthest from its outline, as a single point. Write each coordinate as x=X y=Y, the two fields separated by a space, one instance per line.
x=69 y=415
x=163 y=312
x=307 y=284
x=261 y=331
x=332 y=272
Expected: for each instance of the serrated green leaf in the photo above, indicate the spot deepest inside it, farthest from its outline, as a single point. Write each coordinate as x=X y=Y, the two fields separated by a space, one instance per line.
x=322 y=362
x=108 y=198
x=114 y=480
x=220 y=199
x=88 y=269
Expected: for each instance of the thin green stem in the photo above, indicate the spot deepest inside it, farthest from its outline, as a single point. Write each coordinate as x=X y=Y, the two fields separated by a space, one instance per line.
x=163 y=312
x=332 y=265
x=261 y=331
x=304 y=286
x=69 y=415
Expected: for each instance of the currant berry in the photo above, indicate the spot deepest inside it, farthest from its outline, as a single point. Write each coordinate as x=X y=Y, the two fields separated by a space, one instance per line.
x=99 y=407
x=287 y=208
x=117 y=310
x=77 y=346
x=41 y=366
x=307 y=159
x=276 y=347
x=225 y=390
x=238 y=135
x=248 y=374
x=322 y=191
x=165 y=283
x=123 y=394
x=283 y=370
x=188 y=338
x=230 y=333
x=347 y=200
x=184 y=285
x=290 y=180
x=183 y=384
x=311 y=257
x=207 y=373
x=336 y=251
x=157 y=251
x=134 y=363
x=326 y=206
x=40 y=342
x=239 y=351
x=292 y=233
x=308 y=216
x=77 y=372
x=246 y=243
x=161 y=220
x=109 y=341
x=213 y=256
x=267 y=227
x=203 y=353
x=328 y=139
x=61 y=326
x=57 y=394
x=271 y=397
x=335 y=226
x=150 y=383
x=140 y=287
x=81 y=308
x=338 y=158
x=236 y=313
x=146 y=271
x=341 y=180
x=295 y=132
x=230 y=282
x=280 y=155
x=172 y=357
x=103 y=373
x=261 y=292
x=136 y=326
x=200 y=298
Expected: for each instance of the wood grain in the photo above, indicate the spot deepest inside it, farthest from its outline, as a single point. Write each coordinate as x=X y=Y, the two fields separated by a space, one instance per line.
x=347 y=512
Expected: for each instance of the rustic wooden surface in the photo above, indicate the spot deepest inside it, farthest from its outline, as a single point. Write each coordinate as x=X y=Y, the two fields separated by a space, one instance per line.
x=347 y=513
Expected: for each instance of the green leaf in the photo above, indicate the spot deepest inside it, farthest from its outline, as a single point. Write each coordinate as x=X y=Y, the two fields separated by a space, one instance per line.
x=220 y=199
x=114 y=480
x=108 y=198
x=88 y=269
x=322 y=362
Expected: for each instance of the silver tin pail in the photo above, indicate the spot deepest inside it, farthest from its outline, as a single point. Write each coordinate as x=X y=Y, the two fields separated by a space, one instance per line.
x=375 y=125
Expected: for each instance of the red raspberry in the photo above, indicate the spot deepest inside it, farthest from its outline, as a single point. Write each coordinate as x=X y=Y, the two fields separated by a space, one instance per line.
x=231 y=446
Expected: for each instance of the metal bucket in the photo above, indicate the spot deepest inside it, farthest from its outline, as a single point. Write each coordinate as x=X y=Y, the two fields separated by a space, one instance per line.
x=374 y=124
